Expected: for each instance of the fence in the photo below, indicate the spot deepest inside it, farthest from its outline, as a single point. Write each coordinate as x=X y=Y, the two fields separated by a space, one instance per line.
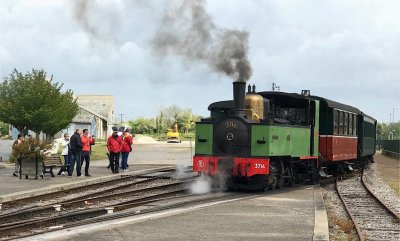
x=391 y=148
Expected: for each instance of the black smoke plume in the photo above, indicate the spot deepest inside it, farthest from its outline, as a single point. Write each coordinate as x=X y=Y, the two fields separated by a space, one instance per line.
x=188 y=31
x=81 y=8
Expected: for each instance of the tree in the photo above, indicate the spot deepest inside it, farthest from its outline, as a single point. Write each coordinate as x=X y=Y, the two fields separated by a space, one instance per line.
x=186 y=120
x=3 y=129
x=143 y=125
x=165 y=119
x=31 y=101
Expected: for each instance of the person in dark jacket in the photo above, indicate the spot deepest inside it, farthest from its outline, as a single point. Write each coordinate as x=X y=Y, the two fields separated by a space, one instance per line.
x=114 y=145
x=18 y=141
x=76 y=149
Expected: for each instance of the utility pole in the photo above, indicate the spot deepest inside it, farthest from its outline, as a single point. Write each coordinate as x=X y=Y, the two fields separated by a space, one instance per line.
x=121 y=117
x=394 y=108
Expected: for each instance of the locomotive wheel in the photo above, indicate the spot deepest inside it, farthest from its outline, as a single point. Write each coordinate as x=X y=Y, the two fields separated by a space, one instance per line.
x=279 y=183
x=272 y=181
x=291 y=178
x=272 y=186
x=281 y=170
x=313 y=178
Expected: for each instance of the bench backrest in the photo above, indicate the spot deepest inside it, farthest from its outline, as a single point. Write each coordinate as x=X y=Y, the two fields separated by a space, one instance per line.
x=53 y=161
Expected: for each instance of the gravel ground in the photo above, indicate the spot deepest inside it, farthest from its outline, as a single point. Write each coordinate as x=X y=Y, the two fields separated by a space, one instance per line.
x=389 y=170
x=340 y=226
x=381 y=177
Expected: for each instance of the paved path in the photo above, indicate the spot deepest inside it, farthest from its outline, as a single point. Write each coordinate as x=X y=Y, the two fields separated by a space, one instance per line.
x=5 y=149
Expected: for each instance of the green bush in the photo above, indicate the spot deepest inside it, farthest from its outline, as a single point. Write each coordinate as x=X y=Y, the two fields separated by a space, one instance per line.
x=11 y=158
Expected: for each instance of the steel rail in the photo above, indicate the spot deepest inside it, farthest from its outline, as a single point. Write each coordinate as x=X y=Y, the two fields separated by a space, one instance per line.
x=372 y=196
x=122 y=178
x=123 y=214
x=114 y=195
x=81 y=214
x=357 y=227
x=9 y=219
x=388 y=209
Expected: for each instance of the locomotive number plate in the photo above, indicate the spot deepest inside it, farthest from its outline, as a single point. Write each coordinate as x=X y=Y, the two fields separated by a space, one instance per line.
x=231 y=124
x=259 y=165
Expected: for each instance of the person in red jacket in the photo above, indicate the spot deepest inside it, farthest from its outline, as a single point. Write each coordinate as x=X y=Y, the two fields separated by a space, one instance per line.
x=126 y=148
x=86 y=142
x=114 y=145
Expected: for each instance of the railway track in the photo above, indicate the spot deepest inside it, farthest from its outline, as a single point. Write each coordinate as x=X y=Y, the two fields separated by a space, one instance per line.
x=29 y=222
x=56 y=197
x=372 y=219
x=36 y=214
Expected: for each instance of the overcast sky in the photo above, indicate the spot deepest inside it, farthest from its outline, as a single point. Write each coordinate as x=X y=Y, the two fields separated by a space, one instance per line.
x=347 y=51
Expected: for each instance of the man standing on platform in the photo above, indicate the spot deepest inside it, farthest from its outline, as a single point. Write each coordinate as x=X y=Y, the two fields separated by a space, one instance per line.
x=114 y=145
x=86 y=142
x=76 y=149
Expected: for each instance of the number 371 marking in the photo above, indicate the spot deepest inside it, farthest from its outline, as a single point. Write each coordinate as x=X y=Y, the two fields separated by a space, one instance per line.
x=259 y=165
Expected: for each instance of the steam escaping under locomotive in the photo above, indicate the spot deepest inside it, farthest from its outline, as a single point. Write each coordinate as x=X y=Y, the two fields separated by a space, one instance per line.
x=263 y=140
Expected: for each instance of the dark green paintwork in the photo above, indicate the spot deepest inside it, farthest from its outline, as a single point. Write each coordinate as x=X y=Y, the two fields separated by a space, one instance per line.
x=368 y=146
x=316 y=128
x=204 y=139
x=280 y=141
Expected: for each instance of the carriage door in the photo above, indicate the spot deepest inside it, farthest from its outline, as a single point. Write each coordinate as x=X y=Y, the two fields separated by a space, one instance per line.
x=312 y=126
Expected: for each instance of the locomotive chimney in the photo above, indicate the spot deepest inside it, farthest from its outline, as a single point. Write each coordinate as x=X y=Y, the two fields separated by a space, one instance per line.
x=239 y=89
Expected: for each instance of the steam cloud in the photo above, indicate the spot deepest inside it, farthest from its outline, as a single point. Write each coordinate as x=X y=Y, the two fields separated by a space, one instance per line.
x=188 y=31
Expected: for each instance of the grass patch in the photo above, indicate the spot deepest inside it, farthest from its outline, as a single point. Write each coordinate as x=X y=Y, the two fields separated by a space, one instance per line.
x=344 y=224
x=394 y=185
x=99 y=151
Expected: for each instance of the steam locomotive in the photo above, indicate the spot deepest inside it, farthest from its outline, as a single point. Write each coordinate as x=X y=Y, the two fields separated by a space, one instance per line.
x=263 y=140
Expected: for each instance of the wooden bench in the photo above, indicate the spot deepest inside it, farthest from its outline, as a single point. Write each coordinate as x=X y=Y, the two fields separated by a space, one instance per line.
x=52 y=162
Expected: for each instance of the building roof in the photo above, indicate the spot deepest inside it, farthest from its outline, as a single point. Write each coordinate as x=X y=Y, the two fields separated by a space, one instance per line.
x=93 y=113
x=99 y=105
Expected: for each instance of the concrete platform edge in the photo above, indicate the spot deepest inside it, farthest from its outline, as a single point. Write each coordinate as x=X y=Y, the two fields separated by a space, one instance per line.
x=321 y=228
x=66 y=186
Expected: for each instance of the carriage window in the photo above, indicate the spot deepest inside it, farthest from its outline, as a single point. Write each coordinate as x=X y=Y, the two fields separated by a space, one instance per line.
x=341 y=123
x=355 y=125
x=351 y=124
x=346 y=123
x=335 y=122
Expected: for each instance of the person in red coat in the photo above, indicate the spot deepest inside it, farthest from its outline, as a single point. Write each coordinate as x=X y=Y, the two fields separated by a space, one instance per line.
x=114 y=145
x=126 y=148
x=87 y=141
